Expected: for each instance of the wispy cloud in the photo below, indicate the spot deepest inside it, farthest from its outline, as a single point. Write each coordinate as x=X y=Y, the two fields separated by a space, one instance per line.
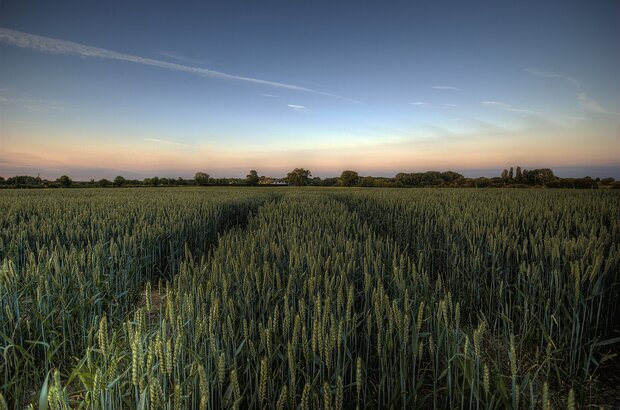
x=160 y=141
x=179 y=57
x=446 y=88
x=539 y=72
x=269 y=95
x=298 y=108
x=574 y=118
x=11 y=103
x=506 y=107
x=423 y=104
x=55 y=46
x=591 y=105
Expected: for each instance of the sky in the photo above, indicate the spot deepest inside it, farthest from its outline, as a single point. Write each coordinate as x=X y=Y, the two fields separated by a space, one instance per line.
x=142 y=89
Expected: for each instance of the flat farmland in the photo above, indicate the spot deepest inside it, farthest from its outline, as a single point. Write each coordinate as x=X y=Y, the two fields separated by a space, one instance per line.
x=309 y=298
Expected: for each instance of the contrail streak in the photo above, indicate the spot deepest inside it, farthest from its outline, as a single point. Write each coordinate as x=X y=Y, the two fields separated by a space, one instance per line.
x=55 y=46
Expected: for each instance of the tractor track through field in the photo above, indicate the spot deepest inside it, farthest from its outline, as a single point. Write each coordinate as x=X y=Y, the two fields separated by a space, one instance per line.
x=318 y=298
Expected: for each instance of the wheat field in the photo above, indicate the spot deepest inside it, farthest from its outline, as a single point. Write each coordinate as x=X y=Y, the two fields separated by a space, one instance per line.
x=174 y=298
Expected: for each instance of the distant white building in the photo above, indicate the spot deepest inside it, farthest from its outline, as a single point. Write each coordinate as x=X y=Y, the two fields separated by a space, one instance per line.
x=271 y=181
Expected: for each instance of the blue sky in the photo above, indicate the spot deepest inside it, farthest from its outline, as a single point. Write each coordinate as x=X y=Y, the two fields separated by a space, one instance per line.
x=149 y=88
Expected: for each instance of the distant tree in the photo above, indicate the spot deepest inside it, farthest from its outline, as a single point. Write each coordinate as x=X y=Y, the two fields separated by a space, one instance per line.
x=451 y=177
x=23 y=180
x=510 y=173
x=2 y=181
x=180 y=181
x=519 y=174
x=316 y=181
x=505 y=174
x=329 y=181
x=482 y=182
x=155 y=181
x=604 y=181
x=585 y=183
x=403 y=179
x=64 y=181
x=540 y=176
x=299 y=177
x=349 y=178
x=546 y=175
x=201 y=178
x=252 y=178
x=119 y=181
x=104 y=183
x=368 y=182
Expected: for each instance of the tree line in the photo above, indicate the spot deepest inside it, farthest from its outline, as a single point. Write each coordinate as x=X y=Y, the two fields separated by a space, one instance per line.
x=542 y=177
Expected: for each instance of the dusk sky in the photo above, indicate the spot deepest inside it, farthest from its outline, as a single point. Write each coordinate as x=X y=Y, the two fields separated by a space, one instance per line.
x=98 y=89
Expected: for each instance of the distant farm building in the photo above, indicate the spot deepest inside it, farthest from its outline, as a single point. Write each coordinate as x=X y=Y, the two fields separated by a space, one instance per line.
x=271 y=181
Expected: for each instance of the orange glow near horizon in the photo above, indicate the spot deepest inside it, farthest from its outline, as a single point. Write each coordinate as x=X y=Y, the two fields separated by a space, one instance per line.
x=148 y=156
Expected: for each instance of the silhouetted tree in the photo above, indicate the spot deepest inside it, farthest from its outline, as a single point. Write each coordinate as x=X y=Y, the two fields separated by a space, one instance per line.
x=23 y=180
x=538 y=176
x=119 y=181
x=403 y=179
x=316 y=181
x=299 y=177
x=510 y=173
x=451 y=177
x=368 y=182
x=604 y=181
x=201 y=178
x=152 y=181
x=104 y=183
x=333 y=181
x=482 y=182
x=252 y=178
x=64 y=181
x=349 y=178
x=519 y=174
